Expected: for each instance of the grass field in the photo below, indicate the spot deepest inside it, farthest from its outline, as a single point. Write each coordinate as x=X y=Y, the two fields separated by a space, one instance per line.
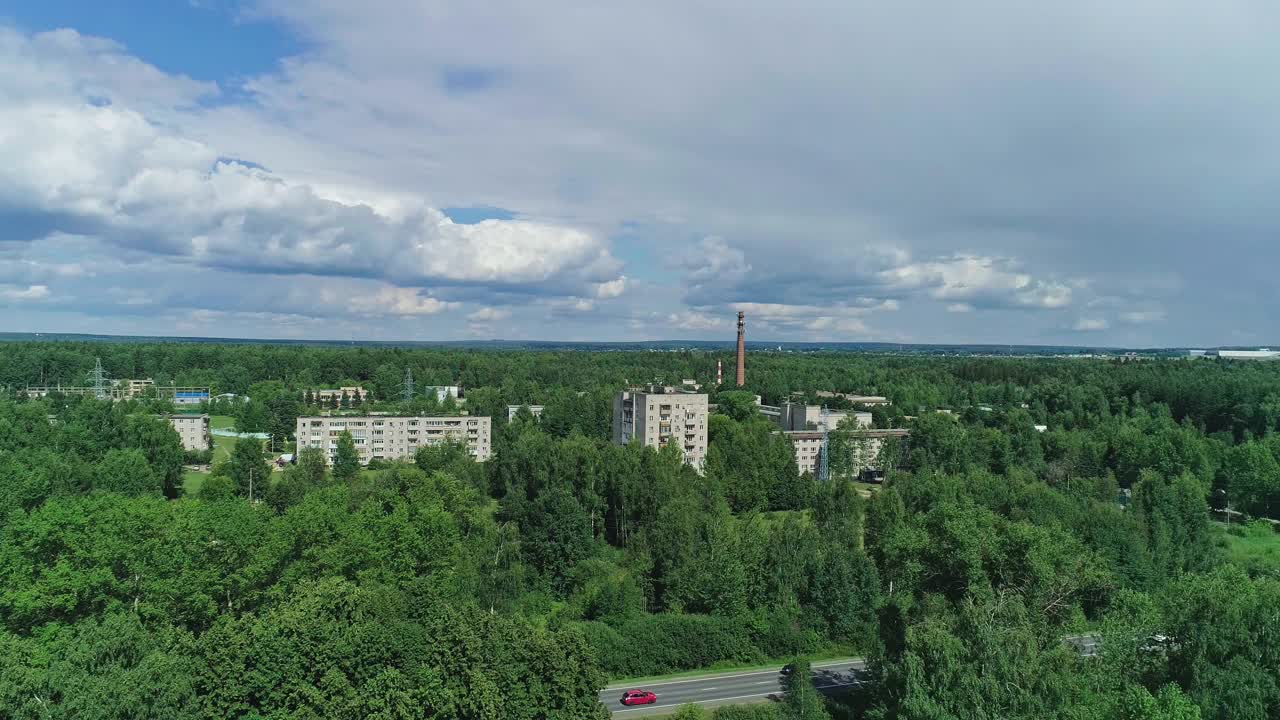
x=1254 y=547
x=222 y=445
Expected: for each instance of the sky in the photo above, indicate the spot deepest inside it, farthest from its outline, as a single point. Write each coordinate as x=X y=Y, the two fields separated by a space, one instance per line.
x=1060 y=172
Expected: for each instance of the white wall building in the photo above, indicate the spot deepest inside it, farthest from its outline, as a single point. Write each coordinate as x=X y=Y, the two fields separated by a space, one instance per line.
x=663 y=417
x=193 y=429
x=535 y=410
x=387 y=437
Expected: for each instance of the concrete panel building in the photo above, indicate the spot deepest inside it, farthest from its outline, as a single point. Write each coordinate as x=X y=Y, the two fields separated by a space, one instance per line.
x=808 y=448
x=387 y=437
x=659 y=416
x=193 y=429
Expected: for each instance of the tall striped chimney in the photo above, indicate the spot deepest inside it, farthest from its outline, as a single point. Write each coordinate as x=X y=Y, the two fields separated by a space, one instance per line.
x=719 y=372
x=742 y=350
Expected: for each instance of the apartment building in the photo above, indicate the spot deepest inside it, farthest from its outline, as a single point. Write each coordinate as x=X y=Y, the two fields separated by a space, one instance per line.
x=387 y=437
x=808 y=448
x=660 y=416
x=193 y=429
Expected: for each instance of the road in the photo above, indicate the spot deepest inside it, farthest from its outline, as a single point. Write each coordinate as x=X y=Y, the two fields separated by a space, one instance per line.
x=730 y=688
x=733 y=688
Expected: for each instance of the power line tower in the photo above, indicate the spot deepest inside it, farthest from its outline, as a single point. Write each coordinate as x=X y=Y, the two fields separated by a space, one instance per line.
x=98 y=380
x=407 y=390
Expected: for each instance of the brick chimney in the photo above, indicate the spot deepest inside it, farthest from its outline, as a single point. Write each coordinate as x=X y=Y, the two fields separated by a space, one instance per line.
x=742 y=350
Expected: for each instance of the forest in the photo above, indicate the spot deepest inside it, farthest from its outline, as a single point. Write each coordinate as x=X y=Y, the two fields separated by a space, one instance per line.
x=1035 y=500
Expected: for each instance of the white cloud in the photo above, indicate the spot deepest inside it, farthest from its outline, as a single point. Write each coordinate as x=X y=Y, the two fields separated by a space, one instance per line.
x=112 y=171
x=693 y=321
x=17 y=293
x=979 y=281
x=611 y=289
x=1141 y=317
x=959 y=308
x=489 y=314
x=397 y=301
x=1090 y=325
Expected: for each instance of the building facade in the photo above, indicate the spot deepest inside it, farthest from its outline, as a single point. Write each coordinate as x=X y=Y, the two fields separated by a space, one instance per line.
x=808 y=448
x=443 y=391
x=193 y=429
x=342 y=392
x=535 y=410
x=794 y=417
x=867 y=400
x=661 y=417
x=387 y=437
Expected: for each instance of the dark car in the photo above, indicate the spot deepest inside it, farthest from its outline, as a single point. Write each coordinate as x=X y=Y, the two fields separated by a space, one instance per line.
x=787 y=670
x=638 y=697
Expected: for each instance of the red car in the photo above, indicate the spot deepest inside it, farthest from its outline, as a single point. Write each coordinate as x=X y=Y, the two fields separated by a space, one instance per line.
x=638 y=697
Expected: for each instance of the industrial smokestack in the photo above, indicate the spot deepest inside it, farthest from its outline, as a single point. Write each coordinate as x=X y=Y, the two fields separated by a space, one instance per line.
x=742 y=350
x=719 y=372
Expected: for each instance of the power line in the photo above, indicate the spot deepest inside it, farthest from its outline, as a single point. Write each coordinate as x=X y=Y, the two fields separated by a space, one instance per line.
x=407 y=390
x=98 y=380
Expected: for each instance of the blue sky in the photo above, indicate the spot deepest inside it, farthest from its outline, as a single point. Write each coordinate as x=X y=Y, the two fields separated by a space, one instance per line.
x=1072 y=172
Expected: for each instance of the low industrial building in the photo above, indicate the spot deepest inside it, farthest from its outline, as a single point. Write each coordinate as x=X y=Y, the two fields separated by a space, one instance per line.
x=535 y=410
x=329 y=395
x=443 y=391
x=193 y=430
x=660 y=416
x=387 y=437
x=867 y=400
x=190 y=396
x=1259 y=354
x=795 y=417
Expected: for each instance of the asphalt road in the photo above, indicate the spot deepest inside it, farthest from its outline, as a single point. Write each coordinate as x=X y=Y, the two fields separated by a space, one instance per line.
x=735 y=688
x=730 y=688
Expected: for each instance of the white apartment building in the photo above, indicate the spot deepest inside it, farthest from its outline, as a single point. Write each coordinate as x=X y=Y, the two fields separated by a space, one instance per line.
x=387 y=437
x=193 y=429
x=661 y=417
x=808 y=447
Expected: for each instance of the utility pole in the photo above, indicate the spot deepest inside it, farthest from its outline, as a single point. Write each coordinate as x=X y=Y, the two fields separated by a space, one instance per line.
x=407 y=391
x=250 y=487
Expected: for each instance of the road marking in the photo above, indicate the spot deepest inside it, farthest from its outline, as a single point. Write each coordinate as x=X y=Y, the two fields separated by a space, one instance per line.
x=699 y=678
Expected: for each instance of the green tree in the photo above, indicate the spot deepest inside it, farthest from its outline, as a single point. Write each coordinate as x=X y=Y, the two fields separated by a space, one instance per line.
x=127 y=471
x=346 y=459
x=246 y=468
x=800 y=700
